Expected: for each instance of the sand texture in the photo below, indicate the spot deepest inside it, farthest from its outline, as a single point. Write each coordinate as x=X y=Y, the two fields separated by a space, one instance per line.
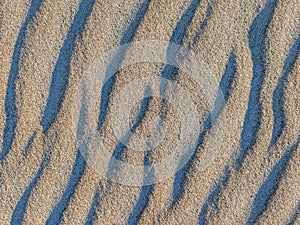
x=244 y=167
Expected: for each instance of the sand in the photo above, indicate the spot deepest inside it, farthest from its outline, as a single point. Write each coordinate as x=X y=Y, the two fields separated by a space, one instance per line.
x=244 y=165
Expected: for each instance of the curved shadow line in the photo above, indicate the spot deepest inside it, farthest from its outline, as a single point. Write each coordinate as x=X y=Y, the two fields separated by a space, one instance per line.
x=212 y=197
x=29 y=142
x=10 y=100
x=92 y=215
x=83 y=12
x=119 y=154
x=18 y=214
x=170 y=72
x=270 y=185
x=295 y=216
x=77 y=172
x=122 y=145
x=78 y=167
x=60 y=75
x=203 y=24
x=226 y=86
x=107 y=88
x=127 y=37
x=145 y=194
x=256 y=36
x=121 y=149
x=278 y=94
x=147 y=190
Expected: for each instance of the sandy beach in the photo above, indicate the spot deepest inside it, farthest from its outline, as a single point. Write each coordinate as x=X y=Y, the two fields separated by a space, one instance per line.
x=149 y=112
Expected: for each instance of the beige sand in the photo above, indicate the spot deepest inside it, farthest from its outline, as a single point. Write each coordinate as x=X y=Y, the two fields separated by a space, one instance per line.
x=264 y=190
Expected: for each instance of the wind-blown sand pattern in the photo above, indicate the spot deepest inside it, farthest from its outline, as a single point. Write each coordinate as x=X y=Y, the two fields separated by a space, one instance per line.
x=252 y=47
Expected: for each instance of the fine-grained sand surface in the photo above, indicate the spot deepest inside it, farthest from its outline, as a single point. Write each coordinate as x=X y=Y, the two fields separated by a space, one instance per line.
x=252 y=50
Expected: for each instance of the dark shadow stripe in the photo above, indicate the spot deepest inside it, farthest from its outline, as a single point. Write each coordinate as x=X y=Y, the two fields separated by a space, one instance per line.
x=121 y=146
x=212 y=199
x=143 y=108
x=107 y=88
x=270 y=185
x=127 y=37
x=184 y=22
x=171 y=72
x=10 y=100
x=257 y=36
x=60 y=75
x=146 y=190
x=278 y=95
x=295 y=216
x=129 y=34
x=203 y=24
x=145 y=194
x=225 y=86
x=141 y=205
x=78 y=167
x=119 y=154
x=29 y=143
x=18 y=214
x=77 y=172
x=92 y=215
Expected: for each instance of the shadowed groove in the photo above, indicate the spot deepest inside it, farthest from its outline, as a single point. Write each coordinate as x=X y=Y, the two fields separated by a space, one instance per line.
x=225 y=87
x=141 y=115
x=29 y=142
x=127 y=37
x=270 y=185
x=278 y=94
x=295 y=216
x=170 y=72
x=18 y=214
x=107 y=88
x=145 y=194
x=61 y=71
x=60 y=75
x=120 y=150
x=10 y=100
x=147 y=190
x=184 y=22
x=256 y=36
x=77 y=172
x=203 y=24
x=78 y=167
x=92 y=215
x=212 y=197
x=141 y=204
x=122 y=145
